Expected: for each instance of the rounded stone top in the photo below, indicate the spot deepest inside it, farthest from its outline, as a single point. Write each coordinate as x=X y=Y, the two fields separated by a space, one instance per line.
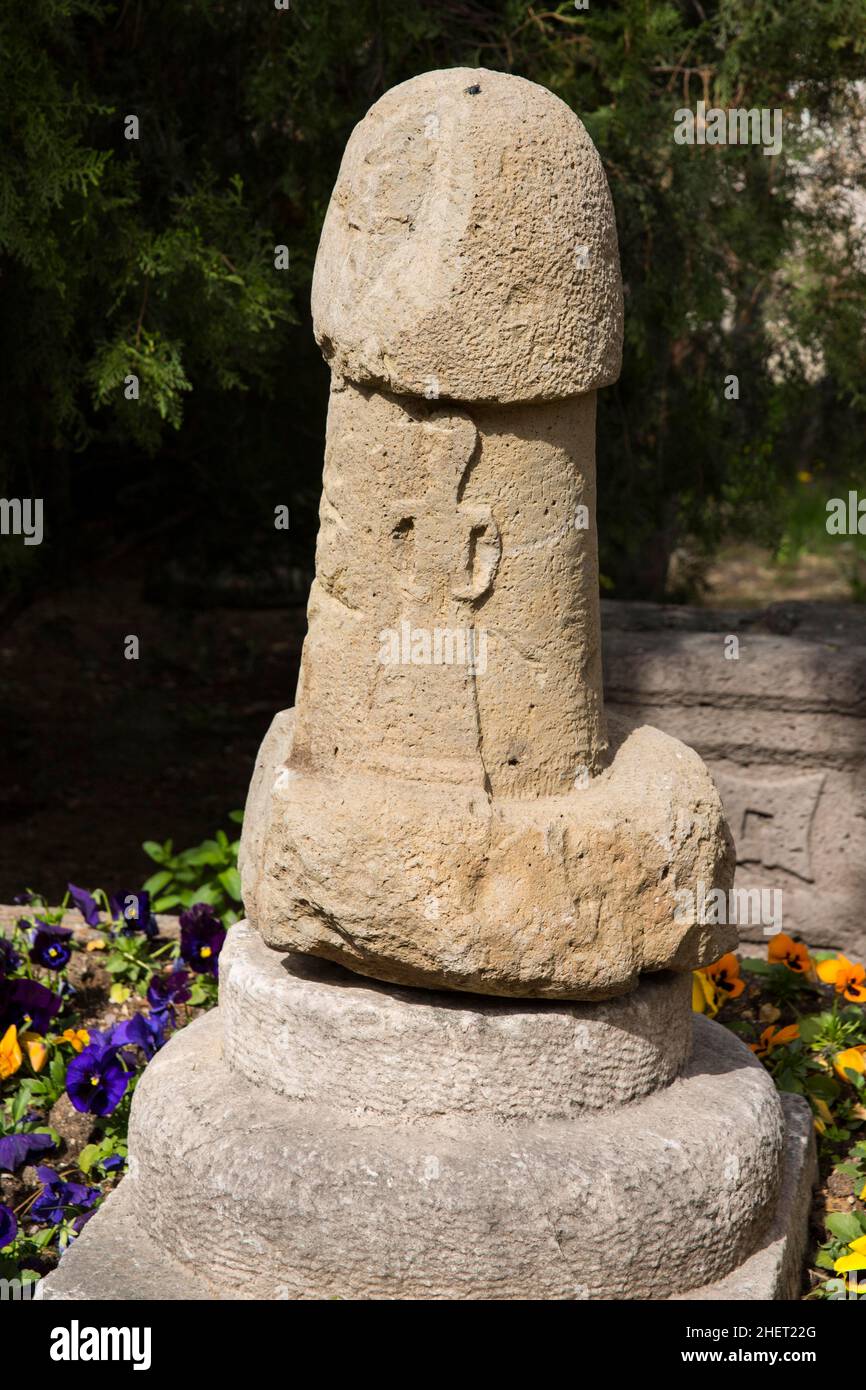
x=469 y=251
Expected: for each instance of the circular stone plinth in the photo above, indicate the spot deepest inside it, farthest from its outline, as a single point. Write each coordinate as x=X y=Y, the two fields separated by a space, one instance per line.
x=266 y=1197
x=311 y=1031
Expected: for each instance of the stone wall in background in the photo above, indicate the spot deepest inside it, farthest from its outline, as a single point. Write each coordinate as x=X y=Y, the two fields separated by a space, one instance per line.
x=782 y=726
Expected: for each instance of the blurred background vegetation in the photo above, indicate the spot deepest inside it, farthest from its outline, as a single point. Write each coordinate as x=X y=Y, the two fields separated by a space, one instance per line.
x=156 y=257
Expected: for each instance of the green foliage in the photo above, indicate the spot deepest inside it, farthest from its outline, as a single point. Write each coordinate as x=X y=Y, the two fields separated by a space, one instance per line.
x=206 y=873
x=154 y=257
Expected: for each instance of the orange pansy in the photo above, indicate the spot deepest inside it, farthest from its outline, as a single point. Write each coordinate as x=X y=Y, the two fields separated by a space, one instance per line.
x=846 y=978
x=784 y=950
x=775 y=1037
x=725 y=975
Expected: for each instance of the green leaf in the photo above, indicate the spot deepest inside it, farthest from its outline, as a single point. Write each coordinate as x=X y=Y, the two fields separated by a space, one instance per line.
x=756 y=966
x=237 y=817
x=156 y=882
x=844 y=1226
x=88 y=1156
x=154 y=851
x=810 y=1027
x=824 y=1260
x=231 y=882
x=208 y=852
x=821 y=1085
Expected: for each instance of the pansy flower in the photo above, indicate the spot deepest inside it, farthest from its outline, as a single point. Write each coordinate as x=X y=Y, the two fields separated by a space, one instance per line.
x=86 y=904
x=34 y=1046
x=8 y=1226
x=78 y=1038
x=27 y=1004
x=17 y=1149
x=140 y=1031
x=725 y=976
x=51 y=947
x=855 y=1260
x=164 y=991
x=11 y=1055
x=847 y=979
x=852 y=1059
x=784 y=950
x=57 y=1198
x=201 y=938
x=775 y=1037
x=705 y=996
x=133 y=910
x=96 y=1079
x=9 y=957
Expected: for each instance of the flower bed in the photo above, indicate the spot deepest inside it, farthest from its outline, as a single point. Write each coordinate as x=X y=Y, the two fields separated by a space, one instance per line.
x=804 y=1016
x=86 y=999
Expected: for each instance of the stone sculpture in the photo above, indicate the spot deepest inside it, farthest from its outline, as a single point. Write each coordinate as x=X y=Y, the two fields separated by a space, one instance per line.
x=542 y=1118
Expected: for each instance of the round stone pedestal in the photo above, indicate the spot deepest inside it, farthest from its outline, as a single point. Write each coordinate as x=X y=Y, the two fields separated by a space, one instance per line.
x=320 y=1136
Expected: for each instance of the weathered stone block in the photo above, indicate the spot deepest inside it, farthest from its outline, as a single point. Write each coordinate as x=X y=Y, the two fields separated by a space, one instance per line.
x=783 y=731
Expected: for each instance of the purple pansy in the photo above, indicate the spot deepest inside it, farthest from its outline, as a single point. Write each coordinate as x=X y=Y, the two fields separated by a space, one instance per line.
x=85 y=903
x=96 y=1079
x=164 y=991
x=9 y=957
x=16 y=1149
x=27 y=1004
x=51 y=946
x=140 y=1031
x=8 y=1226
x=201 y=938
x=51 y=1206
x=133 y=910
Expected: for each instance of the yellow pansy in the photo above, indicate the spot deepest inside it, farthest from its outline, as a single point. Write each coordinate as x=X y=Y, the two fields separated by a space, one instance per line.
x=78 y=1038
x=10 y=1053
x=847 y=977
x=856 y=1260
x=37 y=1052
x=705 y=997
x=851 y=1059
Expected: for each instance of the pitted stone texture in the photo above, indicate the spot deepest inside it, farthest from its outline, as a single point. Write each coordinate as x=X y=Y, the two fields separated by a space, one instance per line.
x=469 y=250
x=457 y=522
x=776 y=1268
x=114 y=1259
x=325 y=1037
x=570 y=897
x=446 y=809
x=299 y=1200
x=119 y=1261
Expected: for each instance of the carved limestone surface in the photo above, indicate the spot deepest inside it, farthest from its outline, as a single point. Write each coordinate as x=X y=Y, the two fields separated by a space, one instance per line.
x=447 y=807
x=470 y=246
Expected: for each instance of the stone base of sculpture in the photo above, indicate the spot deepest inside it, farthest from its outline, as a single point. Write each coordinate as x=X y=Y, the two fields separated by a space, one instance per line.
x=323 y=1136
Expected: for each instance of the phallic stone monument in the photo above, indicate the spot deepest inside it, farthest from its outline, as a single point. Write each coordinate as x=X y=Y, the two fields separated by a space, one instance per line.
x=454 y=1056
